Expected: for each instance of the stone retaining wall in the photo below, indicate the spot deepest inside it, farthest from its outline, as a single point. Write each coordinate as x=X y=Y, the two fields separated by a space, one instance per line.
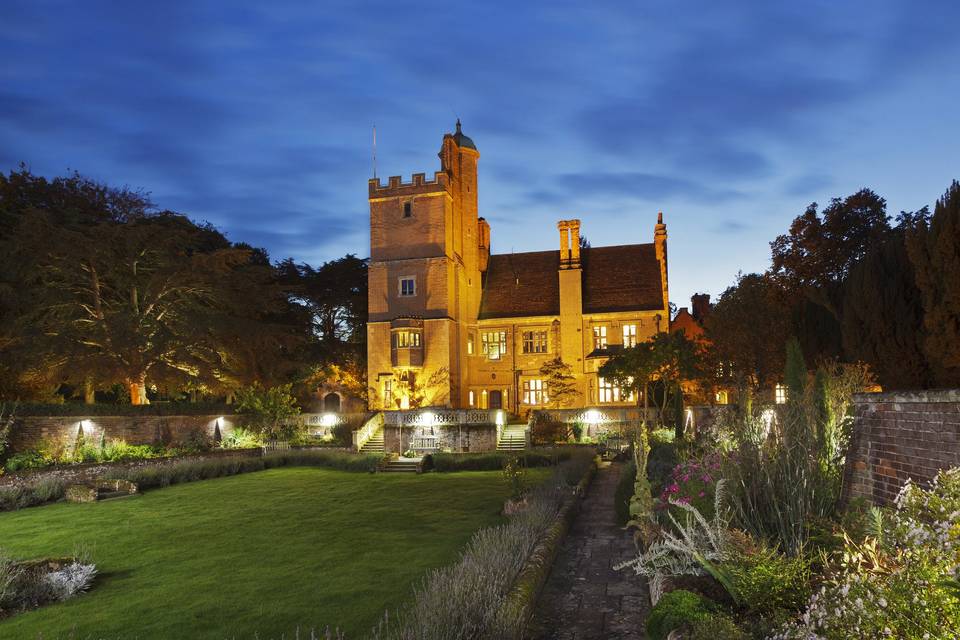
x=458 y=439
x=28 y=431
x=901 y=435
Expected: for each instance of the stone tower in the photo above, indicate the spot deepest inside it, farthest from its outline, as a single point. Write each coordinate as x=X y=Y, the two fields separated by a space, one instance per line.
x=427 y=248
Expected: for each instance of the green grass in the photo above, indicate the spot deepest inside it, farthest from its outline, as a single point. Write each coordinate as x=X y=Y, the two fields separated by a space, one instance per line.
x=257 y=553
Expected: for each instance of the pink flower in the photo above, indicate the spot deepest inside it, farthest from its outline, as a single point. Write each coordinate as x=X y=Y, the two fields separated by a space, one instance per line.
x=702 y=493
x=686 y=478
x=673 y=488
x=707 y=478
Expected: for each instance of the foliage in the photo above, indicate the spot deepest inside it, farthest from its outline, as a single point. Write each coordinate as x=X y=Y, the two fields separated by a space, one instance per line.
x=6 y=424
x=821 y=248
x=715 y=626
x=102 y=409
x=429 y=391
x=26 y=460
x=624 y=492
x=767 y=581
x=677 y=609
x=561 y=385
x=241 y=438
x=497 y=461
x=515 y=477
x=27 y=585
x=149 y=477
x=882 y=317
x=696 y=546
x=469 y=599
x=692 y=482
x=13 y=497
x=747 y=328
x=934 y=250
x=788 y=467
x=268 y=411
x=547 y=430
x=901 y=584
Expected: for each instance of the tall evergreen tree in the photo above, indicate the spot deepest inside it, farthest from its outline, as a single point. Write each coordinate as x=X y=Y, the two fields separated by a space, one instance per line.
x=883 y=317
x=934 y=250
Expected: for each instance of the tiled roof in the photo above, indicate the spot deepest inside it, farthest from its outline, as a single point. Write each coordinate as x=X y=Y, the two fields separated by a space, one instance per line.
x=619 y=278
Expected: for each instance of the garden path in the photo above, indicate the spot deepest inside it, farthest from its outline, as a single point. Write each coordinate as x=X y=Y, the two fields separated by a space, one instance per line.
x=584 y=597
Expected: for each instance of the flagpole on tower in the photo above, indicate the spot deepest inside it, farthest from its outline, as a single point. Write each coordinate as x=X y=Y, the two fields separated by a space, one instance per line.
x=374 y=151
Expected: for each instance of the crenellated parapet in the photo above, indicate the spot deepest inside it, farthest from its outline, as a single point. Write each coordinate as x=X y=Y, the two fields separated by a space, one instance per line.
x=418 y=184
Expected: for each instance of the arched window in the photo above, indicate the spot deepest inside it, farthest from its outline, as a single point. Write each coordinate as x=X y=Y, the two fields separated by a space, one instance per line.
x=331 y=402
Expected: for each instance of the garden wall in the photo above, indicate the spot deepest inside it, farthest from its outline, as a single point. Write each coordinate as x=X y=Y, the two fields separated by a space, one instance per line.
x=611 y=419
x=28 y=431
x=901 y=435
x=458 y=439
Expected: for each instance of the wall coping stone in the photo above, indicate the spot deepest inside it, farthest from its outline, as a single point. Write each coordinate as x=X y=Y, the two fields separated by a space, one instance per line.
x=928 y=396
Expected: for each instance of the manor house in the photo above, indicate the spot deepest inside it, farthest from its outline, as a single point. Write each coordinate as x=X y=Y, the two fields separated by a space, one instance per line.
x=453 y=325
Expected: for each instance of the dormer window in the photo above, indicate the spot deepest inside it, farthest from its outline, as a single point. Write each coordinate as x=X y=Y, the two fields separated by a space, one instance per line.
x=407 y=209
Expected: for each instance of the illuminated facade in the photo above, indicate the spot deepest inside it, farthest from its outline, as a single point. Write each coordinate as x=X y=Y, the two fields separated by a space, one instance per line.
x=452 y=325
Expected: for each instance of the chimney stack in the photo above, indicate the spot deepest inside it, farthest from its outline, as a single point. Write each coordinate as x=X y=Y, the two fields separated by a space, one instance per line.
x=569 y=244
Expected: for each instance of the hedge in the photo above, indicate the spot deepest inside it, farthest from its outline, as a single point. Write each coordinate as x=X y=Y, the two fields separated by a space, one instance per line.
x=155 y=409
x=494 y=461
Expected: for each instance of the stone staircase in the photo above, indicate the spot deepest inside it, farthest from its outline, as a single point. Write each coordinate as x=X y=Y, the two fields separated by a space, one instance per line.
x=513 y=438
x=374 y=444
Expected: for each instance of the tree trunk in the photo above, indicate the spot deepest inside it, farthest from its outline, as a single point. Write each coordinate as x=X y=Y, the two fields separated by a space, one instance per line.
x=89 y=393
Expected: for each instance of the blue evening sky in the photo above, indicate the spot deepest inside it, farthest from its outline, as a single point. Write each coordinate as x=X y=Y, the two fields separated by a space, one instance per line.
x=730 y=116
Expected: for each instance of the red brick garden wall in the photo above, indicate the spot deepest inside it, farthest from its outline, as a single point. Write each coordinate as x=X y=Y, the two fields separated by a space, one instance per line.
x=28 y=431
x=901 y=435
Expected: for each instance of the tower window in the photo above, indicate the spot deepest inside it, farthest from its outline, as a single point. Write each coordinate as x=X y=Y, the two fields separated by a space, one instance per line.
x=408 y=286
x=407 y=209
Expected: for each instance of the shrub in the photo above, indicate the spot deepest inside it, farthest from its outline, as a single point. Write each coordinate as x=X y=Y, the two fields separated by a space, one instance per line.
x=241 y=438
x=18 y=497
x=621 y=499
x=26 y=585
x=26 y=460
x=47 y=490
x=767 y=580
x=693 y=482
x=496 y=461
x=545 y=430
x=904 y=583
x=515 y=477
x=155 y=408
x=195 y=440
x=677 y=609
x=269 y=411
x=715 y=626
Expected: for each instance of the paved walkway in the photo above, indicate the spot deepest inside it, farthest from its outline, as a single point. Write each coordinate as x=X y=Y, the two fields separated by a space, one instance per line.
x=584 y=597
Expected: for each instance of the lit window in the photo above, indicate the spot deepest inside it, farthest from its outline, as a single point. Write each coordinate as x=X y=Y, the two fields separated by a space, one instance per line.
x=609 y=392
x=483 y=399
x=629 y=335
x=780 y=394
x=471 y=398
x=388 y=393
x=494 y=344
x=534 y=392
x=600 y=336
x=470 y=345
x=721 y=397
x=535 y=341
x=406 y=339
x=407 y=209
x=408 y=286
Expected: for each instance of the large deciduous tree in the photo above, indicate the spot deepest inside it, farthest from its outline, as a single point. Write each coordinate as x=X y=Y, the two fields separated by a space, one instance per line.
x=934 y=250
x=747 y=329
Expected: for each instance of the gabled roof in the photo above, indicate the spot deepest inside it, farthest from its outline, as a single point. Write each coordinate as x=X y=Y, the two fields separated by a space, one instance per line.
x=618 y=278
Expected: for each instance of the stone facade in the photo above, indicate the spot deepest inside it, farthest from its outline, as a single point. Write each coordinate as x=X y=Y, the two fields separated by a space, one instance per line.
x=901 y=435
x=451 y=325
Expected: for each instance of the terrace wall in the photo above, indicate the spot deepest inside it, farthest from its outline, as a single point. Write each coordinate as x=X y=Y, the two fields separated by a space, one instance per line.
x=28 y=431
x=901 y=435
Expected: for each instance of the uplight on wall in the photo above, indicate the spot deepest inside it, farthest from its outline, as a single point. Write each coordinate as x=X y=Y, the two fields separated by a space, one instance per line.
x=592 y=416
x=328 y=420
x=501 y=418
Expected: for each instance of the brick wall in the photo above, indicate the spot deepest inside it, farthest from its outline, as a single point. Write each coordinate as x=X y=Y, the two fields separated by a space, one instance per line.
x=29 y=430
x=898 y=436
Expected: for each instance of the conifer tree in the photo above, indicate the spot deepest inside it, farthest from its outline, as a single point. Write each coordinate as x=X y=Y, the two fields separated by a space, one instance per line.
x=935 y=253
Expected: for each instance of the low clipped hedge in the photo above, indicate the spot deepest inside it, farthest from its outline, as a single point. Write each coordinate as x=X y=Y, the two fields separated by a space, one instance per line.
x=155 y=409
x=494 y=461
x=149 y=477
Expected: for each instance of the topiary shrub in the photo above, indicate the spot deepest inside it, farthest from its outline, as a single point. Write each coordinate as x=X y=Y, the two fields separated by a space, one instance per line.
x=677 y=609
x=717 y=626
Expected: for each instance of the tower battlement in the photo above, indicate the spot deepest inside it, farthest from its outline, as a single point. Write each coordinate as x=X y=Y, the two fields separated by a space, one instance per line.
x=418 y=184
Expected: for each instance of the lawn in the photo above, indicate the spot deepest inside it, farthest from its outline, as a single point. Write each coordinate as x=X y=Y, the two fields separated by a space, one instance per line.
x=257 y=553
